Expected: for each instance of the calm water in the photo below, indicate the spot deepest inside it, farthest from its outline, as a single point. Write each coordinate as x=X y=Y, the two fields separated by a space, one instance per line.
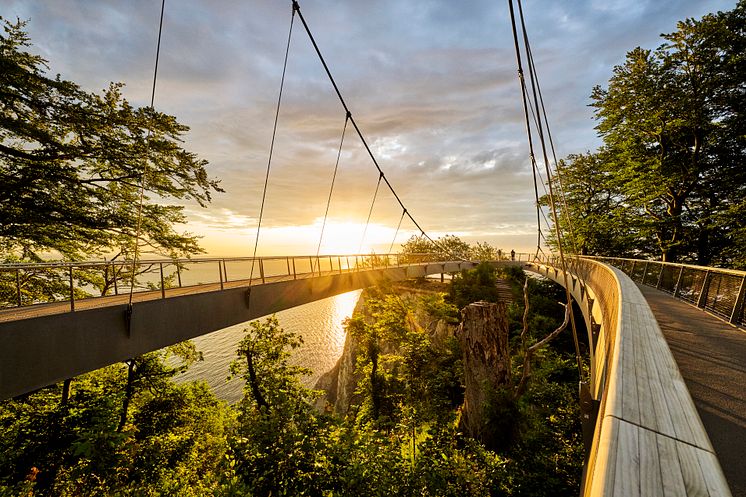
x=319 y=323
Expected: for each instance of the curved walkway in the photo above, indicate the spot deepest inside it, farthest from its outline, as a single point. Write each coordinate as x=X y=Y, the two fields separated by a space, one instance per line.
x=711 y=356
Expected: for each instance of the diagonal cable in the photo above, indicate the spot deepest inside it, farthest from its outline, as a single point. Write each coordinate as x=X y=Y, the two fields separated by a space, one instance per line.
x=370 y=212
x=296 y=8
x=396 y=233
x=271 y=147
x=331 y=189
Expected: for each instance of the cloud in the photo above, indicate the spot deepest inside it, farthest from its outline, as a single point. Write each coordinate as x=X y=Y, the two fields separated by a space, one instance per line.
x=432 y=85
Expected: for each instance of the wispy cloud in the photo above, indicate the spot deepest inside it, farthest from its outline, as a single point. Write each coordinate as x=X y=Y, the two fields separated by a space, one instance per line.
x=431 y=83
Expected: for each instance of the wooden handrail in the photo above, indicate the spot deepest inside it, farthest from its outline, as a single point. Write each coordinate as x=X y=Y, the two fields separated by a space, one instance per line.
x=648 y=438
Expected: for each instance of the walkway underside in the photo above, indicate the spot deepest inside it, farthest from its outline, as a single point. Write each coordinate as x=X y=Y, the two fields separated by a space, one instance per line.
x=43 y=345
x=711 y=356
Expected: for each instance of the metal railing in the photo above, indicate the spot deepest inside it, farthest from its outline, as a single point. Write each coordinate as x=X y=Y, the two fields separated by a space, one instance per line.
x=23 y=285
x=718 y=291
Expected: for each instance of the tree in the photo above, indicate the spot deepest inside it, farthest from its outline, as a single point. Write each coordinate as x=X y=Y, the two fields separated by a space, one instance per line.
x=596 y=220
x=448 y=246
x=72 y=162
x=673 y=123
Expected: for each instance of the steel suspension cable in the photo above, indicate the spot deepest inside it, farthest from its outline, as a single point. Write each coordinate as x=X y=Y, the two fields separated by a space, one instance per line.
x=370 y=212
x=568 y=219
x=296 y=8
x=557 y=229
x=331 y=189
x=524 y=95
x=271 y=146
x=391 y=247
x=143 y=175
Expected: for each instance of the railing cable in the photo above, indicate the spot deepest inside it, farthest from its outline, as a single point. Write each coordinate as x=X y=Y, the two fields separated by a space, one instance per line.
x=271 y=147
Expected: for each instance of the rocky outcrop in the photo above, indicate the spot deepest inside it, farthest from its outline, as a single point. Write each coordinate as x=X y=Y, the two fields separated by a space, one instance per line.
x=339 y=384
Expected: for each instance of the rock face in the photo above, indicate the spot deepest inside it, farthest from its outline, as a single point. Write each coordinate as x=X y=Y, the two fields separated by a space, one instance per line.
x=340 y=382
x=484 y=343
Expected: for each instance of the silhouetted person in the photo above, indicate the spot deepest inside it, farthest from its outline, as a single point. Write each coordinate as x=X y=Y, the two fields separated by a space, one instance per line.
x=499 y=254
x=512 y=255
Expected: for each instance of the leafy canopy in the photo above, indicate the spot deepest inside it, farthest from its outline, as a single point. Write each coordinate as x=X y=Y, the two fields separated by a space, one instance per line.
x=71 y=164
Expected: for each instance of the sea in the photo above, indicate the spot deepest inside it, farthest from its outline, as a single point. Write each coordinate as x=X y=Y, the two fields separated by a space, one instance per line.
x=319 y=323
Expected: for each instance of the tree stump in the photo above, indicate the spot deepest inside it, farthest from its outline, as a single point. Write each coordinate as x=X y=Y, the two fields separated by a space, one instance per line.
x=484 y=342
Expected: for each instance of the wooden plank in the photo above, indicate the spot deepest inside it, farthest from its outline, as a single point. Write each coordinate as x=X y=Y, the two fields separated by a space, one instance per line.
x=671 y=476
x=694 y=480
x=651 y=482
x=630 y=367
x=627 y=476
x=647 y=358
x=714 y=478
x=605 y=462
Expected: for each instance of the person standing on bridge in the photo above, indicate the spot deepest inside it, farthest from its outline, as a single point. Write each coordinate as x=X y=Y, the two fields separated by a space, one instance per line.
x=512 y=255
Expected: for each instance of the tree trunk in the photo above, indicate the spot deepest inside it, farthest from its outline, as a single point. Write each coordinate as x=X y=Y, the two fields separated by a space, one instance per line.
x=254 y=382
x=484 y=342
x=127 y=395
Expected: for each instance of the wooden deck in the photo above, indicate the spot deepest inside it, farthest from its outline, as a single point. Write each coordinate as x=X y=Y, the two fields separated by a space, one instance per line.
x=711 y=356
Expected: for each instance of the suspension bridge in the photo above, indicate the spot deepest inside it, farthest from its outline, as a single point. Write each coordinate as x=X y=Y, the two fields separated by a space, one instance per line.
x=660 y=408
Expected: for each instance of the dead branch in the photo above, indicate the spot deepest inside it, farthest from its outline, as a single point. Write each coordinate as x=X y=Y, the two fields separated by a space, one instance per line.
x=529 y=352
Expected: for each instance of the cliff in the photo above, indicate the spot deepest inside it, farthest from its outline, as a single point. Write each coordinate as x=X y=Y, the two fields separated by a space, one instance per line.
x=339 y=383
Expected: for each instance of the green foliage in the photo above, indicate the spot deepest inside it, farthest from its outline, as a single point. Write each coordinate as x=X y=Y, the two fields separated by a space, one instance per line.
x=180 y=440
x=668 y=180
x=474 y=285
x=71 y=163
x=448 y=246
x=173 y=443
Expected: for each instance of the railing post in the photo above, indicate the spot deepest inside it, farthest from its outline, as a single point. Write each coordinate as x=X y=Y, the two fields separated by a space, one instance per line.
x=339 y=263
x=347 y=261
x=632 y=271
x=178 y=273
x=18 y=288
x=331 y=265
x=163 y=283
x=220 y=272
x=310 y=261
x=114 y=273
x=677 y=288
x=660 y=276
x=72 y=290
x=225 y=271
x=295 y=275
x=735 y=316
x=287 y=260
x=702 y=300
x=261 y=269
x=644 y=272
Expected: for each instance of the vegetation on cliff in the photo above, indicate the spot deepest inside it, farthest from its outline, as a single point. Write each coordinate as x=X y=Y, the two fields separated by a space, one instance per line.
x=400 y=436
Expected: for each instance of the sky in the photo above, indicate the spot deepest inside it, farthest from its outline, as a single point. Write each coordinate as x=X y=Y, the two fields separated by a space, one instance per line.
x=431 y=83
